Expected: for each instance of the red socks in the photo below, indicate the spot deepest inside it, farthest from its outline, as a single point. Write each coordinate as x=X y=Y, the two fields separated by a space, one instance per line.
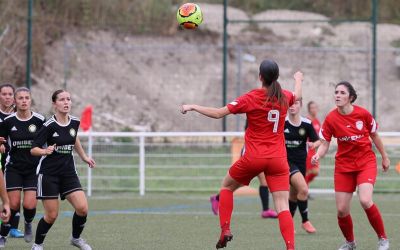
x=225 y=208
x=287 y=228
x=346 y=225
x=375 y=219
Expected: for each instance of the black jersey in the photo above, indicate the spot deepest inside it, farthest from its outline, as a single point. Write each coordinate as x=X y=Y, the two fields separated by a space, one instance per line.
x=4 y=156
x=296 y=138
x=4 y=115
x=20 y=135
x=61 y=161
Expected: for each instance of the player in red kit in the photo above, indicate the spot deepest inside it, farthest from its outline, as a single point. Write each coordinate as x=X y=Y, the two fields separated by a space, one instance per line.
x=312 y=171
x=355 y=162
x=265 y=150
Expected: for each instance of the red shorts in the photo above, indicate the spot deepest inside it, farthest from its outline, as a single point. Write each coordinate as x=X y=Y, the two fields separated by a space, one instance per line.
x=310 y=166
x=348 y=181
x=276 y=172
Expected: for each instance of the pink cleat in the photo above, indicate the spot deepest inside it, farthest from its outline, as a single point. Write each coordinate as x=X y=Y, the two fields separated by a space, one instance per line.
x=270 y=213
x=214 y=204
x=308 y=227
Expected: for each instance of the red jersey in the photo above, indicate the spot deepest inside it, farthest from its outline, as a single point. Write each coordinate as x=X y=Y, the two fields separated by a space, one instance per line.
x=352 y=132
x=264 y=136
x=316 y=124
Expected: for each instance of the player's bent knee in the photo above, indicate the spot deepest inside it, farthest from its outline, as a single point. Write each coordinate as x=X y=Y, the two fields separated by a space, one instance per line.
x=51 y=217
x=29 y=205
x=82 y=210
x=343 y=212
x=303 y=193
x=366 y=203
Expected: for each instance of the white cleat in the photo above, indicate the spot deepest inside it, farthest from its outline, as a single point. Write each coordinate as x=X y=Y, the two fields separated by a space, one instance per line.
x=383 y=244
x=348 y=245
x=37 y=247
x=80 y=243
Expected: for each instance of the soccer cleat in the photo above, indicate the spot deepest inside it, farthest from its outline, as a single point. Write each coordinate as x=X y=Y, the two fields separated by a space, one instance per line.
x=214 y=204
x=348 y=245
x=28 y=235
x=37 y=246
x=383 y=244
x=270 y=213
x=2 y=241
x=80 y=243
x=224 y=238
x=308 y=227
x=16 y=233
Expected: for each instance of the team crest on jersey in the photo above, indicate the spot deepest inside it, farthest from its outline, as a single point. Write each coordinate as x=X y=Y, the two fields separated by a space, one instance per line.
x=359 y=125
x=302 y=131
x=72 y=132
x=32 y=128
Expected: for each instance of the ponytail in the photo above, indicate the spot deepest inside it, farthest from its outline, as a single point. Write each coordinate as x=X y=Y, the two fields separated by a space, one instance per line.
x=275 y=95
x=269 y=73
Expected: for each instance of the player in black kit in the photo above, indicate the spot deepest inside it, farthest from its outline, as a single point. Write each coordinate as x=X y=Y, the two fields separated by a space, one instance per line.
x=19 y=129
x=56 y=170
x=299 y=134
x=6 y=109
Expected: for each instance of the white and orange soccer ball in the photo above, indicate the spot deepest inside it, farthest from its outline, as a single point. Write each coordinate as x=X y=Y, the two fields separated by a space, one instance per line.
x=189 y=16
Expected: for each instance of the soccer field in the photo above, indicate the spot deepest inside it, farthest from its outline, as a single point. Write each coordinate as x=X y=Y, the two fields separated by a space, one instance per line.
x=184 y=221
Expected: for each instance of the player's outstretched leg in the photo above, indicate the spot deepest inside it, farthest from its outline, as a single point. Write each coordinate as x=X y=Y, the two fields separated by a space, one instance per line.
x=225 y=213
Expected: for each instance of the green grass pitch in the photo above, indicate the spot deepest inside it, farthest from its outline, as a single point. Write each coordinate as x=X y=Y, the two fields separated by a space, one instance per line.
x=184 y=221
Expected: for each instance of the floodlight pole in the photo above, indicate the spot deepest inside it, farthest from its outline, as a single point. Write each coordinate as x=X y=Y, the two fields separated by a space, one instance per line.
x=224 y=62
x=374 y=21
x=29 y=45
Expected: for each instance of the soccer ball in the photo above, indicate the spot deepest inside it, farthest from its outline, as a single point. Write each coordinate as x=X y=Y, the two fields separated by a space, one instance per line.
x=189 y=16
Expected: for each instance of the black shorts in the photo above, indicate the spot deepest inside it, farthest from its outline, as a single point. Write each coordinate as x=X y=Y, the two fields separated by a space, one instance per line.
x=51 y=187
x=17 y=180
x=294 y=168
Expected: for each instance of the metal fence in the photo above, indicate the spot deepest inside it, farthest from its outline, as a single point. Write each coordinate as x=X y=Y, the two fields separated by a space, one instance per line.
x=186 y=162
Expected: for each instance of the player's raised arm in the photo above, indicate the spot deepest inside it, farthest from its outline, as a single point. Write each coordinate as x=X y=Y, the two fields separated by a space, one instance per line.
x=216 y=113
x=298 y=77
